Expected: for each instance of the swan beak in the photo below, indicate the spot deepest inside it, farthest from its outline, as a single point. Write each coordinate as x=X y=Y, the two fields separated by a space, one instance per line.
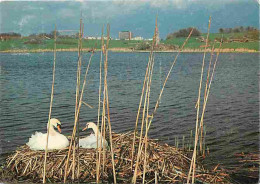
x=85 y=128
x=58 y=127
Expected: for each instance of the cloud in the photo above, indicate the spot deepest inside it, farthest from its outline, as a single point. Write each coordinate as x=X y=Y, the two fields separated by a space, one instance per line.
x=24 y=20
x=66 y=13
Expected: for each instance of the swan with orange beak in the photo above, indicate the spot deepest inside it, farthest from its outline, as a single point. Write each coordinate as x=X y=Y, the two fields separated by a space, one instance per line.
x=56 y=140
x=91 y=140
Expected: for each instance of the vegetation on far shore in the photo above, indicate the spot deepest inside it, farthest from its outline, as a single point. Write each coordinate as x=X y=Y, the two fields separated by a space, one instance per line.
x=233 y=38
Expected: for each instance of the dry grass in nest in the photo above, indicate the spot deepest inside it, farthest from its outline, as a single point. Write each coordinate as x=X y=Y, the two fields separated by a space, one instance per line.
x=166 y=164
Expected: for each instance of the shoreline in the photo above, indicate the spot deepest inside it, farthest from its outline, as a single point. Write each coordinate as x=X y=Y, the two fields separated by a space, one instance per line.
x=226 y=50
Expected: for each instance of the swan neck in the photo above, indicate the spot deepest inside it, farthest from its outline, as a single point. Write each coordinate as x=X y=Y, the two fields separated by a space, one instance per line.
x=96 y=131
x=51 y=130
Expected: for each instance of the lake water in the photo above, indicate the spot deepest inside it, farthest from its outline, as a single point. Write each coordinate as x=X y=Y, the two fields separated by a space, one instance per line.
x=231 y=118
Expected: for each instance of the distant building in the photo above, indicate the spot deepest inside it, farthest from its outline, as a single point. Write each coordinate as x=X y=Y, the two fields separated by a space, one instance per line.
x=91 y=38
x=125 y=35
x=138 y=38
x=97 y=38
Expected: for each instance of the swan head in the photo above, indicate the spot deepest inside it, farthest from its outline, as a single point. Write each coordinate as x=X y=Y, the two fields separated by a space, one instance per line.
x=55 y=123
x=90 y=125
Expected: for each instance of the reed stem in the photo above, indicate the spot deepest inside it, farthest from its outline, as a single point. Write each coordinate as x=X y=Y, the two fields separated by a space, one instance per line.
x=99 y=96
x=81 y=37
x=193 y=162
x=77 y=94
x=175 y=59
x=145 y=108
x=107 y=102
x=52 y=92
x=76 y=120
x=139 y=108
x=205 y=93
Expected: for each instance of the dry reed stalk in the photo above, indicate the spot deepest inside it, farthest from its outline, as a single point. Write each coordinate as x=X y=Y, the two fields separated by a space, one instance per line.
x=138 y=112
x=107 y=102
x=103 y=123
x=141 y=98
x=205 y=93
x=85 y=103
x=99 y=96
x=193 y=162
x=157 y=104
x=103 y=131
x=142 y=125
x=81 y=37
x=147 y=119
x=77 y=93
x=148 y=101
x=52 y=91
x=77 y=115
x=73 y=160
x=166 y=79
x=211 y=78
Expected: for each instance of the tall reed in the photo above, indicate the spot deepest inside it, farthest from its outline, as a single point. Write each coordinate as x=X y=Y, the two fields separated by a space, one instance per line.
x=150 y=117
x=205 y=93
x=208 y=90
x=98 y=151
x=105 y=111
x=147 y=79
x=138 y=112
x=167 y=77
x=77 y=94
x=81 y=37
x=193 y=161
x=107 y=102
x=77 y=115
x=52 y=92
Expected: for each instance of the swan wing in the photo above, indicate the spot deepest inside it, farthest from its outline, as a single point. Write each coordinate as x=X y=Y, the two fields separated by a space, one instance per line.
x=90 y=142
x=38 y=141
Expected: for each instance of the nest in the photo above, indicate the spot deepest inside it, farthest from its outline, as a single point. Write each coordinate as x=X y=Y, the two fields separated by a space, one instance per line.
x=165 y=164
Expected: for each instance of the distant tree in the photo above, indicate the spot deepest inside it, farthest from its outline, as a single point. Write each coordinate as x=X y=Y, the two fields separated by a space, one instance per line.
x=170 y=36
x=183 y=33
x=236 y=30
x=76 y=35
x=221 y=30
x=52 y=34
x=230 y=30
x=11 y=34
x=249 y=28
x=33 y=35
x=241 y=28
x=143 y=46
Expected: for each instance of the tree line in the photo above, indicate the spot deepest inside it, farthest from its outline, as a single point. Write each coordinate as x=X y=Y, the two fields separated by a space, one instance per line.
x=48 y=35
x=183 y=33
x=10 y=34
x=240 y=29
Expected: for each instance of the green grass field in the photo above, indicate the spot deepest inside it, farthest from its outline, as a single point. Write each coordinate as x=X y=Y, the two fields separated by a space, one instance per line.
x=68 y=43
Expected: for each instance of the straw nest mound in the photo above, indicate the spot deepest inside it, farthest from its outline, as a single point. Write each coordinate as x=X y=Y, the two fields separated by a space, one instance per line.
x=165 y=164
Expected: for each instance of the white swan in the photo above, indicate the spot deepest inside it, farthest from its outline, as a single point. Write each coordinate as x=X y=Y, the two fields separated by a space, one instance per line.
x=91 y=140
x=56 y=140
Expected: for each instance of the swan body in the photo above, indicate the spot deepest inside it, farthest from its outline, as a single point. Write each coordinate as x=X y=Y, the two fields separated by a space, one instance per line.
x=91 y=140
x=56 y=140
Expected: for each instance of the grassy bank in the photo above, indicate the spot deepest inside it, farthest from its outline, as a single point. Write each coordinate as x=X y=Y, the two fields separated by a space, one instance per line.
x=69 y=44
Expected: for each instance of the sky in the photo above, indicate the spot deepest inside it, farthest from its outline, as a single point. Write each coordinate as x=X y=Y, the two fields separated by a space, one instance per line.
x=137 y=16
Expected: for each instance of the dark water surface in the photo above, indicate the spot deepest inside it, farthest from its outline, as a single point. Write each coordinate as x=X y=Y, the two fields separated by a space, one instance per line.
x=231 y=118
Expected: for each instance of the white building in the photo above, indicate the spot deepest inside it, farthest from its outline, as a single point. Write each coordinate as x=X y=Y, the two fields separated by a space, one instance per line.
x=138 y=38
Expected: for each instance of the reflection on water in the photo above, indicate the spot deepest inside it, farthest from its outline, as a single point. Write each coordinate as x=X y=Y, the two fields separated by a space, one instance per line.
x=232 y=111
